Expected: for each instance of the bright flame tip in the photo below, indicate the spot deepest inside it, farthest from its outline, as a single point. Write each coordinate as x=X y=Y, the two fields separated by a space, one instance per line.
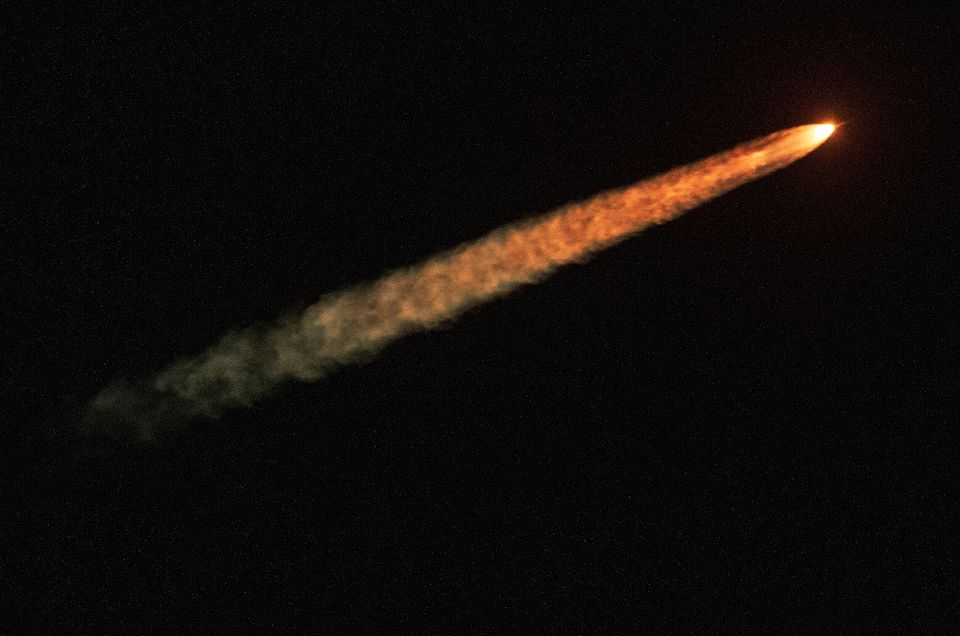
x=822 y=131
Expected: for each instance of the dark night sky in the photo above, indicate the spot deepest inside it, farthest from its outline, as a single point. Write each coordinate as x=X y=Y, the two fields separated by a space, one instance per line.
x=743 y=420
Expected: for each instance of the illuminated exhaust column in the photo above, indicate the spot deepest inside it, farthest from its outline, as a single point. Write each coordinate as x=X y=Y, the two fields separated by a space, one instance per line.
x=354 y=324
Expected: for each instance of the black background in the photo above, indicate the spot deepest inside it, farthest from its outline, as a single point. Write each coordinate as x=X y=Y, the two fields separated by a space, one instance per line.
x=745 y=419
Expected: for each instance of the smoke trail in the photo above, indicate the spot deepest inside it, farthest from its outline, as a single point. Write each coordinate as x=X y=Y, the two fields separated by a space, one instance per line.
x=350 y=325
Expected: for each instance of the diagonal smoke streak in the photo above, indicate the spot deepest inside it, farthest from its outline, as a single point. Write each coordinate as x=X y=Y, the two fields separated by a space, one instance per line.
x=348 y=326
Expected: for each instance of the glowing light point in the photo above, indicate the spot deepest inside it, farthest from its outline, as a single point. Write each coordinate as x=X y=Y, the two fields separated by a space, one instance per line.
x=822 y=131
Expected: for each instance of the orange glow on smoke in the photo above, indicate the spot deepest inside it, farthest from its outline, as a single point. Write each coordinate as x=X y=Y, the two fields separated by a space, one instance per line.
x=354 y=324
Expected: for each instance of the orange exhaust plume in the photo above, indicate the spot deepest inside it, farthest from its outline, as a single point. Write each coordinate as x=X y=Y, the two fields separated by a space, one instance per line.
x=351 y=325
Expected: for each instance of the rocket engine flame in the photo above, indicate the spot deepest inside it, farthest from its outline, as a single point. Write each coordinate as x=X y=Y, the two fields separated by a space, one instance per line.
x=354 y=324
x=822 y=131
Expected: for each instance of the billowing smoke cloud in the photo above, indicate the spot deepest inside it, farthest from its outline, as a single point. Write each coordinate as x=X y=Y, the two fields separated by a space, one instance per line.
x=354 y=324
